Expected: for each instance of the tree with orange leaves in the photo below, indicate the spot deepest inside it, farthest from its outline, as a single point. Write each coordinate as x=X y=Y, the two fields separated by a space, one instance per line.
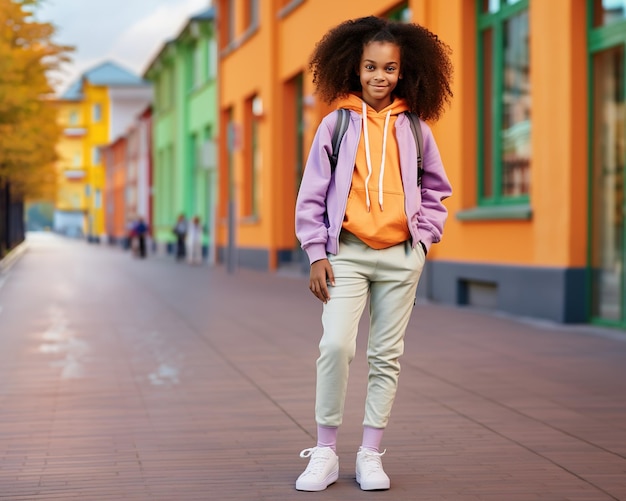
x=28 y=125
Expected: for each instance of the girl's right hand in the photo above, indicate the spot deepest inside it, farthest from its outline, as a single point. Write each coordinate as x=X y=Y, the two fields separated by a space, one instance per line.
x=321 y=274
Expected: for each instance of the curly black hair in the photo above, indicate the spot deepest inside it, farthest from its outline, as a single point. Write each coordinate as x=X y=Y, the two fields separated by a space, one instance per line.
x=425 y=63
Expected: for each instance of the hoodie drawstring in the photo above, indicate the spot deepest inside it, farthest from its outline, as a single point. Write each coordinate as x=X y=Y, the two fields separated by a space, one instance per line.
x=368 y=158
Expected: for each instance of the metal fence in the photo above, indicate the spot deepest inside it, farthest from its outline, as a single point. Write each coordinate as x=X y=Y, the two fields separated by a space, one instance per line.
x=11 y=218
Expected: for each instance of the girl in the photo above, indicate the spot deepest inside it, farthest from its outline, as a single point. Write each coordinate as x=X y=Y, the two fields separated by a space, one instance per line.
x=367 y=226
x=194 y=241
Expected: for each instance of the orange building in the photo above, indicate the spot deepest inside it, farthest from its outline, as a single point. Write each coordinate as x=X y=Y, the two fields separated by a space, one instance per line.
x=534 y=144
x=128 y=187
x=114 y=157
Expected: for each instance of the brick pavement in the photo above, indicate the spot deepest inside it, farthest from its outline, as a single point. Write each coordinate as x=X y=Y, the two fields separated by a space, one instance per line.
x=151 y=380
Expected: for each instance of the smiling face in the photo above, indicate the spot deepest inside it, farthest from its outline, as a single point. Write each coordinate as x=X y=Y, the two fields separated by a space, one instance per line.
x=379 y=72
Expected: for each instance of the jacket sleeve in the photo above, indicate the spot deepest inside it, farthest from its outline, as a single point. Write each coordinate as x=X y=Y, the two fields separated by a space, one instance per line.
x=311 y=220
x=435 y=189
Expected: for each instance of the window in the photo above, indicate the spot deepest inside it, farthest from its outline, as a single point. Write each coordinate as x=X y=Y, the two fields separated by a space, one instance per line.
x=166 y=84
x=252 y=160
x=198 y=59
x=158 y=92
x=238 y=21
x=231 y=32
x=76 y=162
x=163 y=90
x=227 y=181
x=504 y=102
x=400 y=12
x=606 y=12
x=606 y=38
x=95 y=155
x=97 y=198
x=209 y=153
x=212 y=59
x=73 y=117
x=171 y=89
x=251 y=14
x=196 y=68
x=97 y=112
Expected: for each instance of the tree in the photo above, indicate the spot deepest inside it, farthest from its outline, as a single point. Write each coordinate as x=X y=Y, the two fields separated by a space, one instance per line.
x=28 y=124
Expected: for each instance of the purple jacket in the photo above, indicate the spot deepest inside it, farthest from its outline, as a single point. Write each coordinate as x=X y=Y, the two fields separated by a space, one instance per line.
x=322 y=199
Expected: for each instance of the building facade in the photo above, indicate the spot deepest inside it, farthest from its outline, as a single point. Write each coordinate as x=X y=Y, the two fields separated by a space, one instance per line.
x=94 y=111
x=115 y=161
x=268 y=117
x=128 y=187
x=184 y=126
x=533 y=143
x=141 y=178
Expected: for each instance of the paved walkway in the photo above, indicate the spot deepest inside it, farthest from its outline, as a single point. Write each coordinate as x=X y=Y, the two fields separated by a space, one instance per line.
x=123 y=379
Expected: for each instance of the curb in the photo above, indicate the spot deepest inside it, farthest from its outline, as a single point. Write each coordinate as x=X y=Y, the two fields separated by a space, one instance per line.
x=12 y=257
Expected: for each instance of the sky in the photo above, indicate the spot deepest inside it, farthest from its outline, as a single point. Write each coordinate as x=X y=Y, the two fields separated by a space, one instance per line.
x=129 y=32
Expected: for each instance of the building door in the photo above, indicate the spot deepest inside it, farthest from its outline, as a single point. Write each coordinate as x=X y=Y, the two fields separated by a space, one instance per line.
x=607 y=39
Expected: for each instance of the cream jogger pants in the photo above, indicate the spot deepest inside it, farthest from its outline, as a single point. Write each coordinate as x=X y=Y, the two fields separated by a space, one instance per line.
x=389 y=277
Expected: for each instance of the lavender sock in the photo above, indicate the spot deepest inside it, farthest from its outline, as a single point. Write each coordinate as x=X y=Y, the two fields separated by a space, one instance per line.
x=372 y=438
x=327 y=436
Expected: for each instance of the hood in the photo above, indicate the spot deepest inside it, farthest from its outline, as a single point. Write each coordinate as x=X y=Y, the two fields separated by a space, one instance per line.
x=354 y=102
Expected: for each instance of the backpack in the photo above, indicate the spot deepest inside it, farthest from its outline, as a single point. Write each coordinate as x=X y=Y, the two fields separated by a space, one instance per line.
x=342 y=125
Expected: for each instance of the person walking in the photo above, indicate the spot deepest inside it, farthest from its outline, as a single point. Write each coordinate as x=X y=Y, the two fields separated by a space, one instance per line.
x=141 y=231
x=132 y=241
x=180 y=231
x=368 y=225
x=194 y=242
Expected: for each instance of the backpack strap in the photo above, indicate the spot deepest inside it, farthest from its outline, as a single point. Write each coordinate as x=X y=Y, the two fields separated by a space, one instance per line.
x=416 y=129
x=341 y=126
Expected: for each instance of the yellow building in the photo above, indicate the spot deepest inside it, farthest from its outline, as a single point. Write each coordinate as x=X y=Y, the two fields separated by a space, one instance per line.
x=94 y=111
x=534 y=144
x=71 y=200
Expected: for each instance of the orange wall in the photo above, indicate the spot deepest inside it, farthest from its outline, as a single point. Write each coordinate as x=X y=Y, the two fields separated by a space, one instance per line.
x=118 y=191
x=261 y=65
x=556 y=234
x=280 y=49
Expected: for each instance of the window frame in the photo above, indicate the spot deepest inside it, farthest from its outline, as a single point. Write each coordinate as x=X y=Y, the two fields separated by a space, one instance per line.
x=495 y=22
x=230 y=36
x=251 y=15
x=286 y=7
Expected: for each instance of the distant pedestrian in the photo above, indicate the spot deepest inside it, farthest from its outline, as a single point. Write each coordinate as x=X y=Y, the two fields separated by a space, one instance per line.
x=131 y=236
x=180 y=232
x=141 y=232
x=194 y=241
x=377 y=69
x=126 y=244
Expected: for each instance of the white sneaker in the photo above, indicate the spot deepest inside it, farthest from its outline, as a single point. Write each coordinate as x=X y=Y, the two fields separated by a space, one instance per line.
x=322 y=470
x=369 y=470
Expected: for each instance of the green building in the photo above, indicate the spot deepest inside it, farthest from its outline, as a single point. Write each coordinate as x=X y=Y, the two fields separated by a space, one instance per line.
x=184 y=75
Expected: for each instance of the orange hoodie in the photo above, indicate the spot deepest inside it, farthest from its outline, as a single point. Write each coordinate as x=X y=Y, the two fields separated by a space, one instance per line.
x=375 y=210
